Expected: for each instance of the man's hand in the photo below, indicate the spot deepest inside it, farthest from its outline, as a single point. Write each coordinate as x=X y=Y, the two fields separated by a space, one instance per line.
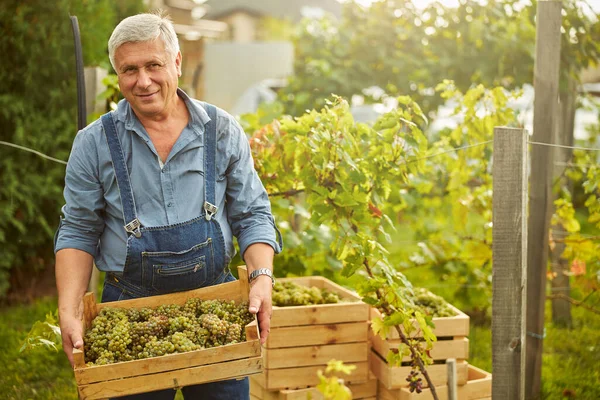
x=71 y=330
x=260 y=303
x=73 y=270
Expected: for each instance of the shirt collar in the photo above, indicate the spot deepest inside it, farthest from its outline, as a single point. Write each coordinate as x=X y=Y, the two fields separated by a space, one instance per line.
x=198 y=116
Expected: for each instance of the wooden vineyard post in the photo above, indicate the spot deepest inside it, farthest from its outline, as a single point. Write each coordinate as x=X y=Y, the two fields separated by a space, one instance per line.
x=509 y=252
x=545 y=112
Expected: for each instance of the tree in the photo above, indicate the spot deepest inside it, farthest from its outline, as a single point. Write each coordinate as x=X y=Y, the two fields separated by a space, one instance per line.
x=38 y=111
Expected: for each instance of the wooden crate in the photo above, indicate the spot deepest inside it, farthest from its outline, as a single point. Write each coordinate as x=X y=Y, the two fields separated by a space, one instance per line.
x=452 y=342
x=304 y=338
x=443 y=349
x=395 y=377
x=360 y=391
x=445 y=327
x=477 y=387
x=173 y=370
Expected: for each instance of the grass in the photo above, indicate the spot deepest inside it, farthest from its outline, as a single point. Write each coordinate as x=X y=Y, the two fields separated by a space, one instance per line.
x=571 y=358
x=40 y=375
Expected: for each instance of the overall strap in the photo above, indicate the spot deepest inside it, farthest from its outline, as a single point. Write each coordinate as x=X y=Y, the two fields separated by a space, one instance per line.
x=210 y=162
x=132 y=224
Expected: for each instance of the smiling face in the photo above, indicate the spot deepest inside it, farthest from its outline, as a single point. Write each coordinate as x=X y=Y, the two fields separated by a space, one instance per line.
x=148 y=77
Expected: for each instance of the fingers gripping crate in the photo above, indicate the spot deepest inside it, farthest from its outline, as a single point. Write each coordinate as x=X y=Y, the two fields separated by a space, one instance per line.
x=174 y=370
x=477 y=387
x=304 y=338
x=452 y=342
x=360 y=391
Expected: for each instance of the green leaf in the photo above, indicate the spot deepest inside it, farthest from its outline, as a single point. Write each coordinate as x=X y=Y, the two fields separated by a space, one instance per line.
x=379 y=328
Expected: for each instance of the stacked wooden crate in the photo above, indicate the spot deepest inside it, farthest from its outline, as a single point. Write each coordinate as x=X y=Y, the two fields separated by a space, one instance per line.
x=303 y=339
x=452 y=342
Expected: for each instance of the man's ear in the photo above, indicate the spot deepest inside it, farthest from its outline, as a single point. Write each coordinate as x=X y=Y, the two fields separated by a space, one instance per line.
x=178 y=63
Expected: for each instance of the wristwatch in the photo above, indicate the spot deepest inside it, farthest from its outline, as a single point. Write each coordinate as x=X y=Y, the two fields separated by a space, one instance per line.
x=261 y=271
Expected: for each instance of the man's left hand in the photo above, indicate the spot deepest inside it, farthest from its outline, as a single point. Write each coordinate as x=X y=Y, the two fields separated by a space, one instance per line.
x=260 y=304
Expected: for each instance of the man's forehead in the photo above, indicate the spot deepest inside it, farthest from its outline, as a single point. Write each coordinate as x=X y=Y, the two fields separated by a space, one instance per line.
x=137 y=52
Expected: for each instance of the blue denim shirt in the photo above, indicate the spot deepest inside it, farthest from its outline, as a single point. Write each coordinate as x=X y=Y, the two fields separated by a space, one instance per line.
x=164 y=195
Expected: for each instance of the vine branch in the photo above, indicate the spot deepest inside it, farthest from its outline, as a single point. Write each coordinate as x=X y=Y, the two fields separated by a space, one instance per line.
x=415 y=357
x=574 y=302
x=287 y=193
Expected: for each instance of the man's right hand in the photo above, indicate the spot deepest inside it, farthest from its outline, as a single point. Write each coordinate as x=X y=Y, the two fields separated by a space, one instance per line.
x=71 y=330
x=73 y=270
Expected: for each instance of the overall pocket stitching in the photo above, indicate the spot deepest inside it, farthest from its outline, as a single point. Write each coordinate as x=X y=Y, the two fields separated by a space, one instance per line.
x=179 y=253
x=194 y=265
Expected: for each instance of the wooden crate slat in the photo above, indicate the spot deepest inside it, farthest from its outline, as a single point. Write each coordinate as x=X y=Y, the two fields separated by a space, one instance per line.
x=224 y=291
x=171 y=379
x=457 y=348
x=444 y=326
x=395 y=377
x=300 y=394
x=363 y=390
x=404 y=394
x=168 y=362
x=292 y=336
x=302 y=377
x=261 y=393
x=319 y=314
x=90 y=310
x=315 y=355
x=308 y=281
x=479 y=385
x=323 y=283
x=360 y=391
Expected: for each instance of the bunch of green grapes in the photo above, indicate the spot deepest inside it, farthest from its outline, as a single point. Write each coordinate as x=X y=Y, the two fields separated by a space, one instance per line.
x=431 y=304
x=119 y=334
x=293 y=294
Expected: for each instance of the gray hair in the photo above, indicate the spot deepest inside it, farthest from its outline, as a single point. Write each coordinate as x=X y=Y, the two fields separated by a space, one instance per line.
x=143 y=28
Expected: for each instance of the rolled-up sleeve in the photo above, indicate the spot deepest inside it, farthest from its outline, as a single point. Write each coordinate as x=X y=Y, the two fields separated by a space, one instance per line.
x=82 y=220
x=248 y=207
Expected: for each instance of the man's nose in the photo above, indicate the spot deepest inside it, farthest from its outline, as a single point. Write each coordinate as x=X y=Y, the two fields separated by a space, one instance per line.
x=143 y=79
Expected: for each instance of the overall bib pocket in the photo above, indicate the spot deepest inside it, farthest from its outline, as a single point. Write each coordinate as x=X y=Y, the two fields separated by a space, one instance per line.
x=169 y=271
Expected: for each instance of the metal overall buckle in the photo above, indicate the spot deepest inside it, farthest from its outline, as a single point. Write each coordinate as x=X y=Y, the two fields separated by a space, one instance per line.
x=210 y=209
x=134 y=227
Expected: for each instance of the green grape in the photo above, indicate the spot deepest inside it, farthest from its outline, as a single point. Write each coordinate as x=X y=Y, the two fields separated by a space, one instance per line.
x=292 y=294
x=119 y=334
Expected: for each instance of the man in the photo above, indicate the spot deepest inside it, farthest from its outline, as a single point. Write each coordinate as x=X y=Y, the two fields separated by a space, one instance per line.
x=154 y=193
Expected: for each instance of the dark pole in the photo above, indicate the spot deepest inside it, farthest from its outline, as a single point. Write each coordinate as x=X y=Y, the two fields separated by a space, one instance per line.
x=81 y=111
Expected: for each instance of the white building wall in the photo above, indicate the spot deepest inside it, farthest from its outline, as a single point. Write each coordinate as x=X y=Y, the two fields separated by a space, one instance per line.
x=231 y=68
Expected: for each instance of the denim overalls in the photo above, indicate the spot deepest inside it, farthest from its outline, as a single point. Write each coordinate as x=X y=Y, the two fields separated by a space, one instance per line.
x=172 y=258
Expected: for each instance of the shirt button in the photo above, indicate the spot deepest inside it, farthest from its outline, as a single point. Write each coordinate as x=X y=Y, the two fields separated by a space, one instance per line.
x=169 y=204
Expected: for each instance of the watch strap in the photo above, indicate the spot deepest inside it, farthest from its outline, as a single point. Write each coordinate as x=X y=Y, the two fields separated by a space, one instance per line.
x=261 y=271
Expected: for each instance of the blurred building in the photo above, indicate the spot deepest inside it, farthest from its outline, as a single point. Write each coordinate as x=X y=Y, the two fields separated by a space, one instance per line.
x=243 y=16
x=223 y=55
